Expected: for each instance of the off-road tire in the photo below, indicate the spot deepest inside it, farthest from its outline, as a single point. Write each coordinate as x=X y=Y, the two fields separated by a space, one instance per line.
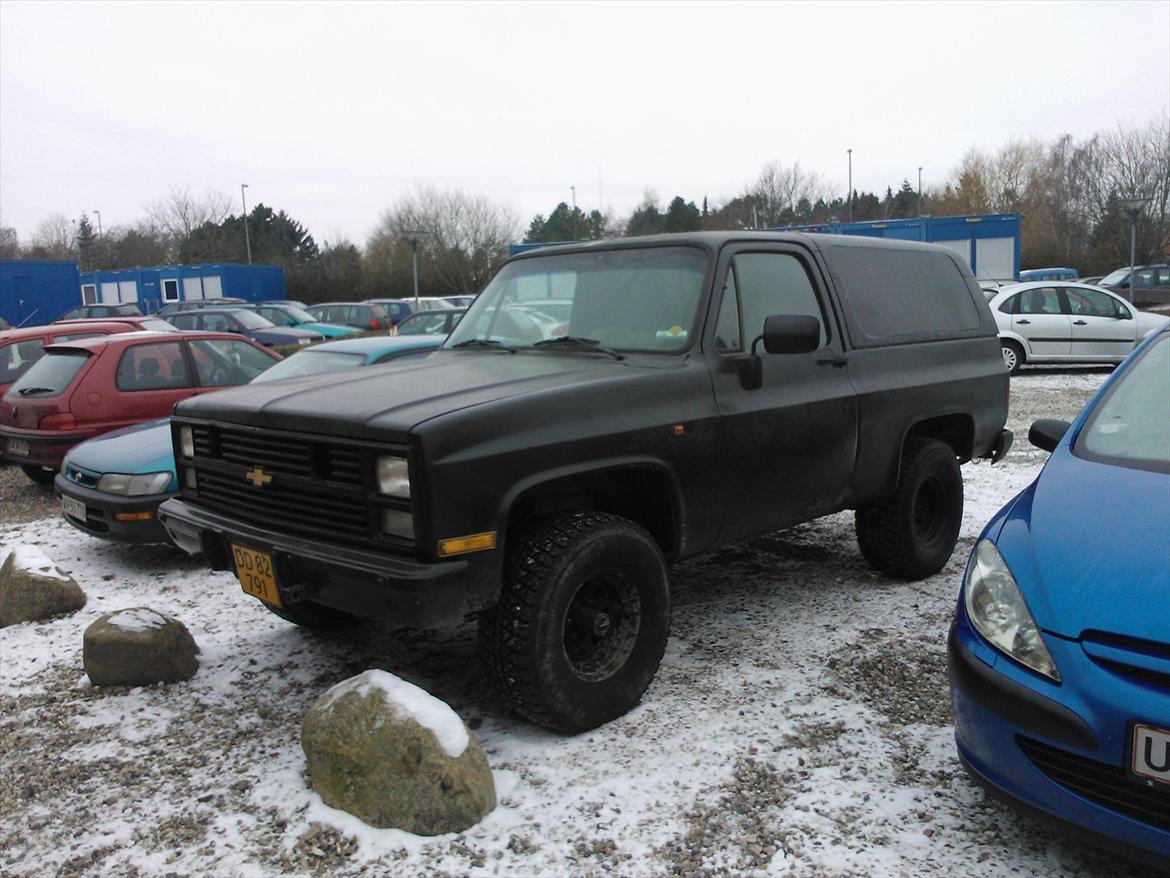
x=39 y=474
x=912 y=533
x=1013 y=356
x=582 y=621
x=315 y=617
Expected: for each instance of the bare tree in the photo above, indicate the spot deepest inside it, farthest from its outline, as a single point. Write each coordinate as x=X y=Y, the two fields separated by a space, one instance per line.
x=55 y=238
x=9 y=243
x=180 y=213
x=779 y=190
x=464 y=238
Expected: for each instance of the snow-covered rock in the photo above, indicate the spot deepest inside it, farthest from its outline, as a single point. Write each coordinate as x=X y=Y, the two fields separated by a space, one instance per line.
x=32 y=588
x=394 y=756
x=138 y=647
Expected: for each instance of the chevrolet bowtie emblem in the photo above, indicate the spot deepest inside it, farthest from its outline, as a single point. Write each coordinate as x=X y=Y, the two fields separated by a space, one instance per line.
x=258 y=477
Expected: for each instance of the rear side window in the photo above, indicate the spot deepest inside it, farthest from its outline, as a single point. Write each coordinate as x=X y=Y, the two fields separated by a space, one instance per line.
x=185 y=321
x=893 y=296
x=153 y=367
x=51 y=374
x=18 y=357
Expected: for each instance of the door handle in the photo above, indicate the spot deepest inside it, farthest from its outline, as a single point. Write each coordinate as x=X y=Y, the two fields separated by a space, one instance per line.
x=837 y=361
x=1024 y=322
x=1080 y=323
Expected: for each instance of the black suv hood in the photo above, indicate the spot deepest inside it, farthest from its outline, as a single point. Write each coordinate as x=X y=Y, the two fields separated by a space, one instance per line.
x=386 y=401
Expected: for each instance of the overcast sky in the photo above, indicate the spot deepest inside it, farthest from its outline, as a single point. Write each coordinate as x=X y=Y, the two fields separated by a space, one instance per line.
x=332 y=112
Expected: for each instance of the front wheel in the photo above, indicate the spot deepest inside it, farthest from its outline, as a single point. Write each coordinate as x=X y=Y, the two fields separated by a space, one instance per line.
x=582 y=621
x=912 y=533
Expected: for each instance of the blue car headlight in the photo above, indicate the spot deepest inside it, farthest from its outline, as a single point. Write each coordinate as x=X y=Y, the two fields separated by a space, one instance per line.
x=134 y=486
x=998 y=611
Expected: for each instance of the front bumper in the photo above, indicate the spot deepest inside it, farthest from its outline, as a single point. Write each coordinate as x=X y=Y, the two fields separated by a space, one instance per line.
x=102 y=509
x=44 y=449
x=364 y=583
x=1000 y=717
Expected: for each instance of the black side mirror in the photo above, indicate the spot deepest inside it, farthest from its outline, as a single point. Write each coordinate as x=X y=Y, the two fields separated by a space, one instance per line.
x=1046 y=433
x=791 y=334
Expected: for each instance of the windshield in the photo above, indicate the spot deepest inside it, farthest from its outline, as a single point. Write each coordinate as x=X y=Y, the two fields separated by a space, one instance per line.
x=299 y=315
x=643 y=299
x=310 y=363
x=252 y=320
x=1114 y=277
x=1131 y=425
x=51 y=374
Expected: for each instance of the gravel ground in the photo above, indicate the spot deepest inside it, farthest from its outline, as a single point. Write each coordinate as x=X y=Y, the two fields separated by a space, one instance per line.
x=799 y=725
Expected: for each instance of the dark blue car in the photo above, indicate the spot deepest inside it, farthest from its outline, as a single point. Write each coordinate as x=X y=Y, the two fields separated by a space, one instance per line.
x=1059 y=654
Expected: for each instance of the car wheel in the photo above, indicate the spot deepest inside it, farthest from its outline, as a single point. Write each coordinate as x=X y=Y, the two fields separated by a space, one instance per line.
x=39 y=474
x=317 y=617
x=912 y=533
x=1013 y=356
x=582 y=621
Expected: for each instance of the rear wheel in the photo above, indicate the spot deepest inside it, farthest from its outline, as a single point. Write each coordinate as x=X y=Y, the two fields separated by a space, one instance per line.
x=912 y=533
x=1013 y=356
x=39 y=474
x=582 y=621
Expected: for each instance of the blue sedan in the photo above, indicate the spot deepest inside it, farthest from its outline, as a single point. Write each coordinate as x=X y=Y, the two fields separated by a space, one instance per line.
x=1059 y=654
x=112 y=486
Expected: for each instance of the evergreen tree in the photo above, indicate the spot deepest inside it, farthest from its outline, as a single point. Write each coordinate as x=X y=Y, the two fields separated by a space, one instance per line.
x=87 y=243
x=682 y=216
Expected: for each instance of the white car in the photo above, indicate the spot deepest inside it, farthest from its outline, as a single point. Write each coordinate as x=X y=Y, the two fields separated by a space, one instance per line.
x=1064 y=322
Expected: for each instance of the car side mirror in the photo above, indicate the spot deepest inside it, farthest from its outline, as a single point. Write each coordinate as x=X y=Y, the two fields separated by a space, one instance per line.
x=1046 y=433
x=791 y=334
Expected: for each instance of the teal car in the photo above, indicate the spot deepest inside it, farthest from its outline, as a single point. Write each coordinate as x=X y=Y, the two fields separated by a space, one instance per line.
x=111 y=486
x=287 y=314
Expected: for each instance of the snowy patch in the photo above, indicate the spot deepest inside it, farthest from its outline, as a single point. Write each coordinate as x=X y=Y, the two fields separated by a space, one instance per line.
x=31 y=559
x=406 y=698
x=138 y=619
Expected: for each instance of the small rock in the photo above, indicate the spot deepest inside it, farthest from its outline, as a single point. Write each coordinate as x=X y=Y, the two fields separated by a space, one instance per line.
x=32 y=588
x=138 y=647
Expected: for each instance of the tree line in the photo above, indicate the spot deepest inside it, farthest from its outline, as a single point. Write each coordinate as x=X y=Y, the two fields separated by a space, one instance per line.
x=1067 y=191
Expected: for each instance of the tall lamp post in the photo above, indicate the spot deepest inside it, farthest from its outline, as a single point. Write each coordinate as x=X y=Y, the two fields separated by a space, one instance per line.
x=920 y=190
x=1134 y=207
x=101 y=237
x=247 y=238
x=411 y=237
x=850 y=153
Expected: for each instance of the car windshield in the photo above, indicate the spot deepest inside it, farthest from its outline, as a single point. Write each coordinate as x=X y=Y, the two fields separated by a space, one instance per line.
x=1131 y=425
x=644 y=299
x=1114 y=277
x=310 y=362
x=51 y=374
x=299 y=315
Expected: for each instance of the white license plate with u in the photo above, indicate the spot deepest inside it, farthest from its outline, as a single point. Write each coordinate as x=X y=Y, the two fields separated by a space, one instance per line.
x=1151 y=753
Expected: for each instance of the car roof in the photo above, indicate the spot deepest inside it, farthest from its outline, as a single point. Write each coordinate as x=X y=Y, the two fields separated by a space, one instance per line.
x=322 y=304
x=64 y=326
x=93 y=345
x=433 y=311
x=1042 y=284
x=378 y=344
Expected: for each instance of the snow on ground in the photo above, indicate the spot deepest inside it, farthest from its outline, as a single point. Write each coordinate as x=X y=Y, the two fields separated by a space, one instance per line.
x=799 y=725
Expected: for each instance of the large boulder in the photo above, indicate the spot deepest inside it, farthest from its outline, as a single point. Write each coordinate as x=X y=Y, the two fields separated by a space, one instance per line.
x=394 y=756
x=32 y=588
x=138 y=647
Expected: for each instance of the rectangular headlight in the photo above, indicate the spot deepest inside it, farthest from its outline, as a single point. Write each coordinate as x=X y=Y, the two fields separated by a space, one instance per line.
x=186 y=442
x=393 y=476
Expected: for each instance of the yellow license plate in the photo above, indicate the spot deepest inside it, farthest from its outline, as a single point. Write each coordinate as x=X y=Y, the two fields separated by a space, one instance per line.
x=256 y=574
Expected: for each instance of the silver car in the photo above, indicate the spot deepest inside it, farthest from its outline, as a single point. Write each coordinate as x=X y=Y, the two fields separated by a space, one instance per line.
x=1064 y=322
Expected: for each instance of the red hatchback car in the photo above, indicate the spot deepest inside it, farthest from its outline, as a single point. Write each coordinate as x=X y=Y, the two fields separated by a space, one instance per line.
x=20 y=348
x=81 y=389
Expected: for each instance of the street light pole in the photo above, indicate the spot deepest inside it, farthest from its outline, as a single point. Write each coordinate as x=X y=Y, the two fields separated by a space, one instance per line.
x=101 y=238
x=1134 y=207
x=920 y=190
x=247 y=238
x=411 y=237
x=850 y=153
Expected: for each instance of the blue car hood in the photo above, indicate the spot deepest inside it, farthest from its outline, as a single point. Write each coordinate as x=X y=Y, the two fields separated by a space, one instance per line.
x=143 y=448
x=1089 y=545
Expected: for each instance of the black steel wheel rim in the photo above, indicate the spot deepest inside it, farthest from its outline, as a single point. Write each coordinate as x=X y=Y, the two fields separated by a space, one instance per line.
x=928 y=510
x=601 y=626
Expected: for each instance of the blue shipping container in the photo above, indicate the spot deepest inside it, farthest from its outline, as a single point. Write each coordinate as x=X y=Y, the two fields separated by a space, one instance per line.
x=36 y=291
x=152 y=288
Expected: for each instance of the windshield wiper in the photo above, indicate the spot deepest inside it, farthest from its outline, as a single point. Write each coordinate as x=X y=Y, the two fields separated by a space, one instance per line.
x=484 y=343
x=29 y=391
x=577 y=341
